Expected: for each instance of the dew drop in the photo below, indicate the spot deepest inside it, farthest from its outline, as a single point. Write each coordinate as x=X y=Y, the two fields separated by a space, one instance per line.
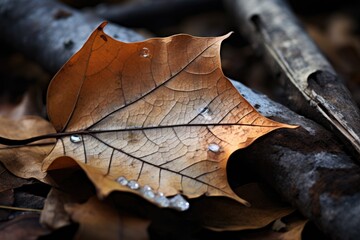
x=133 y=185
x=75 y=138
x=147 y=188
x=145 y=52
x=214 y=147
x=147 y=192
x=123 y=181
x=161 y=200
x=206 y=113
x=179 y=203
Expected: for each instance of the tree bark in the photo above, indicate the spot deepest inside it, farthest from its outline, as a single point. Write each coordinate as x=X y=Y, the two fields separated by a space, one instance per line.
x=308 y=168
x=312 y=86
x=50 y=32
x=153 y=12
x=305 y=165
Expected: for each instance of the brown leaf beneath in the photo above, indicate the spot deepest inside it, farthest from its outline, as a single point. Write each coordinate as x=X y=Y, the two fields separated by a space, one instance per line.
x=160 y=112
x=100 y=221
x=293 y=229
x=9 y=181
x=26 y=161
x=54 y=215
x=225 y=215
x=24 y=226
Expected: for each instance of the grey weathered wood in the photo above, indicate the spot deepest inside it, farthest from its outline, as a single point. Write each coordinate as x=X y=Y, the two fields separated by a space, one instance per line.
x=51 y=32
x=308 y=168
x=315 y=89
x=299 y=163
x=152 y=12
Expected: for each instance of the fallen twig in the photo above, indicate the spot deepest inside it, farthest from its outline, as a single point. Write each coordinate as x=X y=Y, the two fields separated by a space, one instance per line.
x=51 y=32
x=313 y=88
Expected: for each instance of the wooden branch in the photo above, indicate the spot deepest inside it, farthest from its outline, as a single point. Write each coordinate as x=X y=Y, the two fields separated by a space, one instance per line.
x=153 y=12
x=308 y=168
x=306 y=165
x=51 y=32
x=314 y=89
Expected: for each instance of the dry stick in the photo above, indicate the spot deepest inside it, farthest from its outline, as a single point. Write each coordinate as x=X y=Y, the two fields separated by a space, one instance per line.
x=150 y=12
x=305 y=165
x=51 y=32
x=20 y=209
x=313 y=87
x=308 y=168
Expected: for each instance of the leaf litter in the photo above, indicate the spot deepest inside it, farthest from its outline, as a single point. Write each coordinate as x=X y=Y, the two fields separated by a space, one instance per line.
x=156 y=118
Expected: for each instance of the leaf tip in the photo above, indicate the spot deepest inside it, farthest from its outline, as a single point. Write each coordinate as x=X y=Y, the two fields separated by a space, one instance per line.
x=102 y=25
x=227 y=35
x=247 y=204
x=291 y=126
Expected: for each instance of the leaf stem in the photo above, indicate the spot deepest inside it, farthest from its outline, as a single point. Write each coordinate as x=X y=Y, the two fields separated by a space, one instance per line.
x=26 y=141
x=14 y=142
x=22 y=142
x=20 y=209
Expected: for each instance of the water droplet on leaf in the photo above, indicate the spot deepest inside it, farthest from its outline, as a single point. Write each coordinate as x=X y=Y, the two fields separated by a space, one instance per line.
x=145 y=52
x=75 y=138
x=214 y=147
x=133 y=185
x=147 y=192
x=161 y=200
x=206 y=113
x=123 y=181
x=179 y=203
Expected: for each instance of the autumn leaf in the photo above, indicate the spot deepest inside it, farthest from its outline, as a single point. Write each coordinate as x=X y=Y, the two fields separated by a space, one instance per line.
x=25 y=161
x=94 y=215
x=225 y=215
x=158 y=112
x=54 y=216
x=24 y=226
x=291 y=228
x=9 y=181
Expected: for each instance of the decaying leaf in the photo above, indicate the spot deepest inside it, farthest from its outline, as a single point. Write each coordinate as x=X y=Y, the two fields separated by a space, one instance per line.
x=25 y=161
x=95 y=215
x=25 y=226
x=9 y=181
x=225 y=215
x=6 y=199
x=75 y=187
x=292 y=230
x=54 y=216
x=159 y=112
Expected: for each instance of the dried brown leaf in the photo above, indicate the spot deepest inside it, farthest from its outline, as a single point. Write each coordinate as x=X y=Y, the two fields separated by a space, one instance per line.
x=225 y=215
x=292 y=231
x=160 y=112
x=25 y=161
x=54 y=215
x=100 y=221
x=9 y=181
x=24 y=226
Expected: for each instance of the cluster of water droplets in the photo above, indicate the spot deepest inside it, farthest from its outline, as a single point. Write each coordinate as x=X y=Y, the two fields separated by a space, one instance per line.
x=177 y=202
